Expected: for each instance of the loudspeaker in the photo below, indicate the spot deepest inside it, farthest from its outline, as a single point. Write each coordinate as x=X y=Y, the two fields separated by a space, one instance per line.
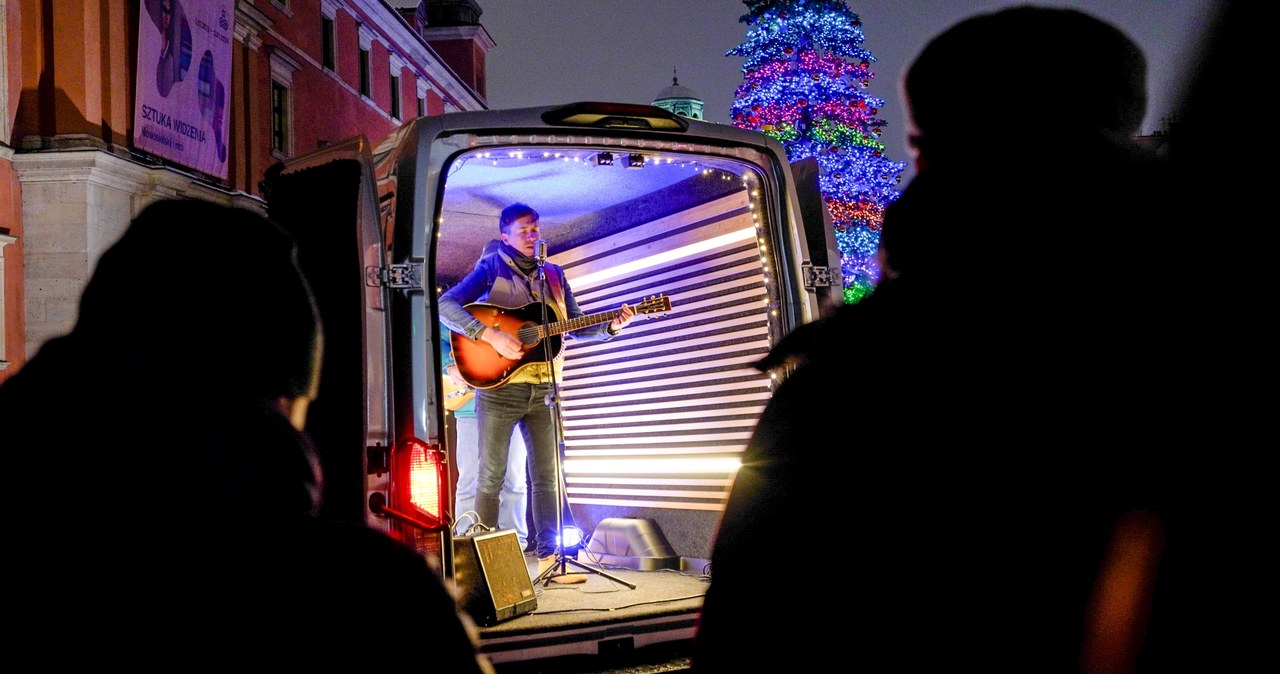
x=493 y=581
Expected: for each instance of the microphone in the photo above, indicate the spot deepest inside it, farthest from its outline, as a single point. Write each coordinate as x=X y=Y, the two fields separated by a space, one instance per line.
x=540 y=251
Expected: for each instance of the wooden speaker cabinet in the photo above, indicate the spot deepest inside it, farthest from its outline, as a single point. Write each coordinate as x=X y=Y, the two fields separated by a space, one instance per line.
x=493 y=581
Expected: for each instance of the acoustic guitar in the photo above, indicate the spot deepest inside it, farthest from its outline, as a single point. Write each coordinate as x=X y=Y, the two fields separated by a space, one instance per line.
x=483 y=367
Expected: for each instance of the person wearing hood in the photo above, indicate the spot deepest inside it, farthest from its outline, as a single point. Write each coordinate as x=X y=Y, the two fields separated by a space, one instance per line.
x=974 y=427
x=165 y=495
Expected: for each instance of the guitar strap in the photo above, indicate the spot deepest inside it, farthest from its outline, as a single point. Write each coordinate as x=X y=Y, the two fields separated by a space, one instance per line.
x=555 y=283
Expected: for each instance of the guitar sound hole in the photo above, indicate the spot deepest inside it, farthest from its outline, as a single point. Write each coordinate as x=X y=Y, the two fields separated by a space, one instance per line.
x=528 y=334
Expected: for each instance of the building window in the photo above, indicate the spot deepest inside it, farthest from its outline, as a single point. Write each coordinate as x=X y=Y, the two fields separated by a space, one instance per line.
x=423 y=88
x=366 y=86
x=395 y=96
x=283 y=66
x=279 y=117
x=328 y=43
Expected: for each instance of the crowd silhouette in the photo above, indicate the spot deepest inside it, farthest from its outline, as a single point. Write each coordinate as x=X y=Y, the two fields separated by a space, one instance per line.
x=1028 y=450
x=164 y=496
x=1012 y=455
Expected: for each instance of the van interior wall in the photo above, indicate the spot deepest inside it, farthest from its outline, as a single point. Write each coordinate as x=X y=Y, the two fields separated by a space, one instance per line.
x=656 y=419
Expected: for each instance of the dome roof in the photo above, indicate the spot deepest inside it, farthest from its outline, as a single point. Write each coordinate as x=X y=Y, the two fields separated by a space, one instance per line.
x=676 y=90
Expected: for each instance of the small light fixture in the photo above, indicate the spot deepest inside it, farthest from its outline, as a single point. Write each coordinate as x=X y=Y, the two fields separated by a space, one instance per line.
x=605 y=159
x=635 y=160
x=573 y=540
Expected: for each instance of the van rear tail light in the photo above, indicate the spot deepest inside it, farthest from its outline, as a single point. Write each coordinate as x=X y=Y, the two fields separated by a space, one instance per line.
x=420 y=484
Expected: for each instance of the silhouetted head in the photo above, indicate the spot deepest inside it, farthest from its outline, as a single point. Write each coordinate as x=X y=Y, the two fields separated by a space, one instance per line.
x=1026 y=75
x=199 y=293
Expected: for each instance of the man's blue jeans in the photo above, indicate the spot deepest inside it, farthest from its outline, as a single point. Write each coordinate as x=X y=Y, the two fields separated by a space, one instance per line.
x=498 y=410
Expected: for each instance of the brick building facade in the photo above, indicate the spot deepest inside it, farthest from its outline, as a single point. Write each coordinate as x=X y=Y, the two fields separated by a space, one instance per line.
x=304 y=73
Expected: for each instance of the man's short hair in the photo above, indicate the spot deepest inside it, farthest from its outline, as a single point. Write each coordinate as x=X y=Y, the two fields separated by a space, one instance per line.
x=514 y=212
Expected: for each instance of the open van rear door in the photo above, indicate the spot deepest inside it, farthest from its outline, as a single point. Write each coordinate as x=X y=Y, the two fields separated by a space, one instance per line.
x=329 y=201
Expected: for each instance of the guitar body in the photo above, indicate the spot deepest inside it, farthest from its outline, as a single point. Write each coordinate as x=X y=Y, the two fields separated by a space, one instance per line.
x=481 y=365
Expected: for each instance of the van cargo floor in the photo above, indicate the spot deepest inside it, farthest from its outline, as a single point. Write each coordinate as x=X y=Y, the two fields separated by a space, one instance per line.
x=599 y=618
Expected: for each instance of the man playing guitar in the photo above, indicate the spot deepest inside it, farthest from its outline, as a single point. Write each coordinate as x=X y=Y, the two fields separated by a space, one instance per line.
x=511 y=278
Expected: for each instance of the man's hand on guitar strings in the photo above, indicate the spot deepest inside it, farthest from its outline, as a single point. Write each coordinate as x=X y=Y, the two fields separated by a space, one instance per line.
x=617 y=324
x=506 y=345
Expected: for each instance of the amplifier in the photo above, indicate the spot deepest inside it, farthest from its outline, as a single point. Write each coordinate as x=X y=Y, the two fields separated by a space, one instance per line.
x=492 y=578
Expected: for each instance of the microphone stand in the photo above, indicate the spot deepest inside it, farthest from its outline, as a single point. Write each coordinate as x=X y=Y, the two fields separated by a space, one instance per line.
x=562 y=561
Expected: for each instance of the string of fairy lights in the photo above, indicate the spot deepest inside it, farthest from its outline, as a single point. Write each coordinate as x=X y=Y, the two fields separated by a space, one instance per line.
x=804 y=77
x=589 y=158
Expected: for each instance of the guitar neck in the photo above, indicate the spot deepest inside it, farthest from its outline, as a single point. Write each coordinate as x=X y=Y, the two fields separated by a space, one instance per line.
x=572 y=324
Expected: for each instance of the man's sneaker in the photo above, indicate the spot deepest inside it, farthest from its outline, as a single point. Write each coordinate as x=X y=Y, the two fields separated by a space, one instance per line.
x=549 y=561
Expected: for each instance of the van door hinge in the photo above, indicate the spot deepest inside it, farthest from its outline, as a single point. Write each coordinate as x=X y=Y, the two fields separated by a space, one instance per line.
x=377 y=459
x=394 y=276
x=815 y=276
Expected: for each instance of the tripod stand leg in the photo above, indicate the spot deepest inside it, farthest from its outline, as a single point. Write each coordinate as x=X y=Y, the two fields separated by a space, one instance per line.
x=598 y=572
x=558 y=569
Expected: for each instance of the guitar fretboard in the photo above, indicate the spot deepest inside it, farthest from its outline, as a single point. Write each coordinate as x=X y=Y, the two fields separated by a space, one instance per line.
x=576 y=323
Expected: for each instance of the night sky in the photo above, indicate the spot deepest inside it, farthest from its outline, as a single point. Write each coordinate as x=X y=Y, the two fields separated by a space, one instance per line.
x=559 y=51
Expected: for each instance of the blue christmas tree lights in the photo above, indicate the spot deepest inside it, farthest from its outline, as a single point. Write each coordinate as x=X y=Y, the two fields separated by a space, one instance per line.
x=804 y=79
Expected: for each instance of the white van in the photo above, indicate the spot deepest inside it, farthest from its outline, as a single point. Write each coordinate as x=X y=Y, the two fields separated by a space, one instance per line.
x=636 y=203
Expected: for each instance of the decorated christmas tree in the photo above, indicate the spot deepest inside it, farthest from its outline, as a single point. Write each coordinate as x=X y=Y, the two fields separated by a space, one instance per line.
x=804 y=83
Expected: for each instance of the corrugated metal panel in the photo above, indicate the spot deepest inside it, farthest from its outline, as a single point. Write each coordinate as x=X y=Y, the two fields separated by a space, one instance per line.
x=658 y=417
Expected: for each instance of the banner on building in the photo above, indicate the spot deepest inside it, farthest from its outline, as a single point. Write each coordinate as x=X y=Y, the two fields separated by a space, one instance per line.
x=184 y=81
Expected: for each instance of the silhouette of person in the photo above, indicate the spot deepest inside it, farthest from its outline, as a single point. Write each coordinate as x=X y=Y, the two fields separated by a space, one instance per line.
x=167 y=497
x=1195 y=548
x=949 y=428
x=175 y=43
